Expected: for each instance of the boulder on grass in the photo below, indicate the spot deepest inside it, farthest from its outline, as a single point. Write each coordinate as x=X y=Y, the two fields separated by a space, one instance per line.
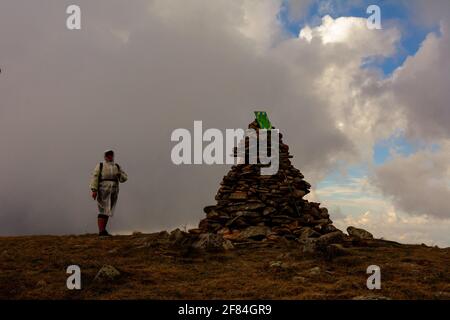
x=359 y=234
x=107 y=273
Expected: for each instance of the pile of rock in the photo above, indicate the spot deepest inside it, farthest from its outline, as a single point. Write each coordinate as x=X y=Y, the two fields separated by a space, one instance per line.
x=254 y=206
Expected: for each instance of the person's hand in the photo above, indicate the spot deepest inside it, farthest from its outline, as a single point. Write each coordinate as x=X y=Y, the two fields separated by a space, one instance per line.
x=94 y=195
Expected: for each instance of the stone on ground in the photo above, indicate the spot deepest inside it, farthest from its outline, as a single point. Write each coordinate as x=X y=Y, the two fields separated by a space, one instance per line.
x=107 y=273
x=359 y=234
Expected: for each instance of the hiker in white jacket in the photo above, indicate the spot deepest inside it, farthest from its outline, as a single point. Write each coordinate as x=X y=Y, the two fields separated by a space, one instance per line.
x=105 y=189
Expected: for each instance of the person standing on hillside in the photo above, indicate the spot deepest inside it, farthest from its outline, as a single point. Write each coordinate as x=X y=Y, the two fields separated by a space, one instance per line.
x=105 y=189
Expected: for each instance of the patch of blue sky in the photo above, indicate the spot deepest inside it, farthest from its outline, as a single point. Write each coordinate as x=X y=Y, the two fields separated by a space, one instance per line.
x=292 y=27
x=383 y=149
x=399 y=144
x=345 y=175
x=311 y=17
x=410 y=42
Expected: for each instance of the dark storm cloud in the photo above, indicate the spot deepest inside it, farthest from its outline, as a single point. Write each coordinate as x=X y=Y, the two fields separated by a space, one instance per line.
x=135 y=72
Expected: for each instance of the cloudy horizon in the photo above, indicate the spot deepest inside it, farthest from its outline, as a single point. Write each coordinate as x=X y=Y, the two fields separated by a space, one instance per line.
x=365 y=112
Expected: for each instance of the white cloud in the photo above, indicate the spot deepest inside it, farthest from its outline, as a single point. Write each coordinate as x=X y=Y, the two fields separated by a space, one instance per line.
x=353 y=32
x=260 y=22
x=412 y=191
x=418 y=184
x=420 y=87
x=360 y=105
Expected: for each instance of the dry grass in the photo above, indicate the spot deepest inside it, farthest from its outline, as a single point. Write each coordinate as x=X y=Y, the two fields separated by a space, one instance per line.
x=35 y=268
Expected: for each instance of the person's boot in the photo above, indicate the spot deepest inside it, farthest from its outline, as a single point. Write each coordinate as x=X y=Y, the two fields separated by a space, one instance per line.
x=105 y=232
x=101 y=225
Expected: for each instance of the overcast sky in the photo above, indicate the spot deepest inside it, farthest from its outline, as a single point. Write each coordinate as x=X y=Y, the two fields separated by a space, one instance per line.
x=365 y=112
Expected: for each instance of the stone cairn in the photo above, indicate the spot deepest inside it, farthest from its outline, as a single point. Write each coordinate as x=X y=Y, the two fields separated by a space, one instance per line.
x=266 y=207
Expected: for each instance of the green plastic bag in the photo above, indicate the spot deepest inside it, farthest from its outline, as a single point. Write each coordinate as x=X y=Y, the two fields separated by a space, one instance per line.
x=263 y=120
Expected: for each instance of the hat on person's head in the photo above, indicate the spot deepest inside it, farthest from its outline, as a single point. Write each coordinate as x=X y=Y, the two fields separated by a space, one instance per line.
x=109 y=152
